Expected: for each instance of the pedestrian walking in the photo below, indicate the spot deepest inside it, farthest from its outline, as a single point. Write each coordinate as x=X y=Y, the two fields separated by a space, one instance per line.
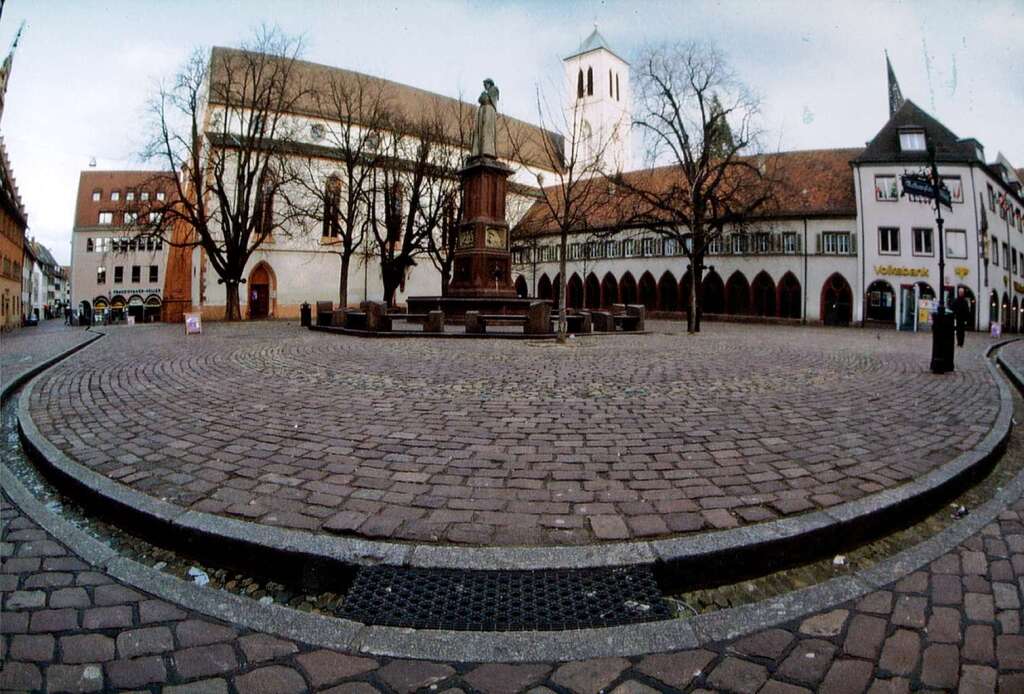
x=962 y=315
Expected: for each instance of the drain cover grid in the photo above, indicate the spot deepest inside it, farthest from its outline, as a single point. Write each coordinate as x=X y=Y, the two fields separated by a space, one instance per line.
x=550 y=600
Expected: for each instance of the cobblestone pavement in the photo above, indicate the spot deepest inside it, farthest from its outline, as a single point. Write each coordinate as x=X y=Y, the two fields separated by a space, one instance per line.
x=22 y=349
x=955 y=626
x=512 y=443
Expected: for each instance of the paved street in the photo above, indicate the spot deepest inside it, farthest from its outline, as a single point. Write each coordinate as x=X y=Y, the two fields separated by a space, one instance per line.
x=953 y=627
x=512 y=443
x=24 y=348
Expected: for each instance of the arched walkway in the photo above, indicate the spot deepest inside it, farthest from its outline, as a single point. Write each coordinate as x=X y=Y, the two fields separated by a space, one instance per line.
x=261 y=291
x=763 y=293
x=713 y=297
x=627 y=289
x=648 y=291
x=993 y=307
x=592 y=291
x=1014 y=316
x=575 y=292
x=881 y=302
x=737 y=295
x=925 y=291
x=152 y=310
x=522 y=289
x=556 y=290
x=668 y=293
x=836 y=301
x=1004 y=312
x=544 y=287
x=789 y=297
x=609 y=290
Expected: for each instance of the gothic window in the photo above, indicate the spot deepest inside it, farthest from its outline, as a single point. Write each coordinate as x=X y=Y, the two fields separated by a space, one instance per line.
x=590 y=81
x=579 y=84
x=611 y=90
x=617 y=92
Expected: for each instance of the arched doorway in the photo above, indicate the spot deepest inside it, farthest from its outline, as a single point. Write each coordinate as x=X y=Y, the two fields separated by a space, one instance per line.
x=261 y=292
x=556 y=290
x=152 y=311
x=1004 y=312
x=592 y=291
x=627 y=289
x=85 y=311
x=881 y=302
x=737 y=295
x=100 y=307
x=609 y=290
x=925 y=291
x=836 y=301
x=972 y=320
x=544 y=287
x=648 y=291
x=668 y=293
x=993 y=307
x=522 y=289
x=575 y=292
x=137 y=308
x=1014 y=316
x=789 y=296
x=117 y=308
x=763 y=293
x=713 y=294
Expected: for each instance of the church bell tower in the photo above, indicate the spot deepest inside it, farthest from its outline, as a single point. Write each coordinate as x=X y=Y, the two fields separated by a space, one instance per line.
x=600 y=103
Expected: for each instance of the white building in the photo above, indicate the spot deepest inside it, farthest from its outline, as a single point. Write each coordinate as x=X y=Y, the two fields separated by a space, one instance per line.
x=841 y=246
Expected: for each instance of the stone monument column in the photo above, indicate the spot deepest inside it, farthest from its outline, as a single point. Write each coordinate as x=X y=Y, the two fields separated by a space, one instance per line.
x=483 y=262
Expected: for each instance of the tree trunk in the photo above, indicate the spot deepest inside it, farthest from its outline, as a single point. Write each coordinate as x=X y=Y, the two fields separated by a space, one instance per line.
x=446 y=279
x=562 y=285
x=693 y=321
x=232 y=310
x=343 y=281
x=391 y=280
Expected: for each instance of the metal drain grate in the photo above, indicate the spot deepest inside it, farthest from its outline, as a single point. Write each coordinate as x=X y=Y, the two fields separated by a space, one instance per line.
x=549 y=600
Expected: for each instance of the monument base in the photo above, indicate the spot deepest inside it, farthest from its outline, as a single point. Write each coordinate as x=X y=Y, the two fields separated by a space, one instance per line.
x=455 y=307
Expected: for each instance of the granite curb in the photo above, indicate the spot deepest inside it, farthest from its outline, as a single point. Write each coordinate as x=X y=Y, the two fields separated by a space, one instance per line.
x=794 y=537
x=20 y=379
x=679 y=633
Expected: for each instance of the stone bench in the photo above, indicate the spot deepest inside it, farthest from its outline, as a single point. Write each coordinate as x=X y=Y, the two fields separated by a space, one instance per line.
x=324 y=313
x=602 y=321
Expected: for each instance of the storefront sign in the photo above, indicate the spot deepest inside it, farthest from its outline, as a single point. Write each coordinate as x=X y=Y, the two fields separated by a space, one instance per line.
x=961 y=271
x=901 y=271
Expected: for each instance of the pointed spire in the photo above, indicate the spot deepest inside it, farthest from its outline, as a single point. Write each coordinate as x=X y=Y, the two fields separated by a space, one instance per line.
x=895 y=95
x=5 y=69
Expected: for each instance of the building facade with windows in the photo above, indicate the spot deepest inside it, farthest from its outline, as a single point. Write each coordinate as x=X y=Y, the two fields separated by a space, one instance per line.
x=842 y=245
x=13 y=224
x=118 y=270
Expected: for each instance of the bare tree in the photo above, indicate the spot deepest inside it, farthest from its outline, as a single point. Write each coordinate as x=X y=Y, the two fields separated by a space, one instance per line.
x=580 y=188
x=222 y=125
x=414 y=187
x=699 y=123
x=337 y=174
x=453 y=135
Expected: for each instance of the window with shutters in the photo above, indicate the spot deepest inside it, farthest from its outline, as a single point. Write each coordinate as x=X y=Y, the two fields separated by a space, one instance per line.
x=739 y=244
x=789 y=242
x=763 y=242
x=715 y=246
x=835 y=243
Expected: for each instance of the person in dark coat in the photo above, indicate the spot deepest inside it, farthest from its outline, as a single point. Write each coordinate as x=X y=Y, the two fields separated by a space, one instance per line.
x=962 y=315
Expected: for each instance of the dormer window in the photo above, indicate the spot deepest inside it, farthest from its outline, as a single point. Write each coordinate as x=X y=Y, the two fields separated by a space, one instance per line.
x=912 y=140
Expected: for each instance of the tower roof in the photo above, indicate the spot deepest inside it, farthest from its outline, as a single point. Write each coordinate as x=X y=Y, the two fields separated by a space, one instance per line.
x=593 y=42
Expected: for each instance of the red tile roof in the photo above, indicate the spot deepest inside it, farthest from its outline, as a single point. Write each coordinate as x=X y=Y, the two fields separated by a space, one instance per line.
x=809 y=183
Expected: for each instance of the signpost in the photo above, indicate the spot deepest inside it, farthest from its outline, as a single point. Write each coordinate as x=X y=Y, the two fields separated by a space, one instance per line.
x=930 y=187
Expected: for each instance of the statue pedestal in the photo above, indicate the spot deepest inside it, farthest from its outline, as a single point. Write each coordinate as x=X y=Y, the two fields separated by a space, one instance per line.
x=482 y=266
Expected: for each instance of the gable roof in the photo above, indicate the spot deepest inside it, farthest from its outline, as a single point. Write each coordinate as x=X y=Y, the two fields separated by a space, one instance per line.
x=403 y=100
x=810 y=183
x=10 y=198
x=885 y=146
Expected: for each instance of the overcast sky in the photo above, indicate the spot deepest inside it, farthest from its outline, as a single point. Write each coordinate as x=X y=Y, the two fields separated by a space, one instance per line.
x=84 y=70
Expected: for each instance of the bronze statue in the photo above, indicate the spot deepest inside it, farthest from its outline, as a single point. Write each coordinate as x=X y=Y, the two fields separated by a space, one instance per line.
x=485 y=134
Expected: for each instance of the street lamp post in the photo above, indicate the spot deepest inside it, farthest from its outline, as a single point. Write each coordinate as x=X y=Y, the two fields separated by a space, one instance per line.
x=942 y=329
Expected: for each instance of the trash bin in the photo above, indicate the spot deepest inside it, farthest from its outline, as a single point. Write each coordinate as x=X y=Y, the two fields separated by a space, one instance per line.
x=305 y=315
x=942 y=342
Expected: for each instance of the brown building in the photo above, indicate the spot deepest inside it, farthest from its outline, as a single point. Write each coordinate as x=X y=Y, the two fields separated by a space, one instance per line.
x=116 y=269
x=13 y=223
